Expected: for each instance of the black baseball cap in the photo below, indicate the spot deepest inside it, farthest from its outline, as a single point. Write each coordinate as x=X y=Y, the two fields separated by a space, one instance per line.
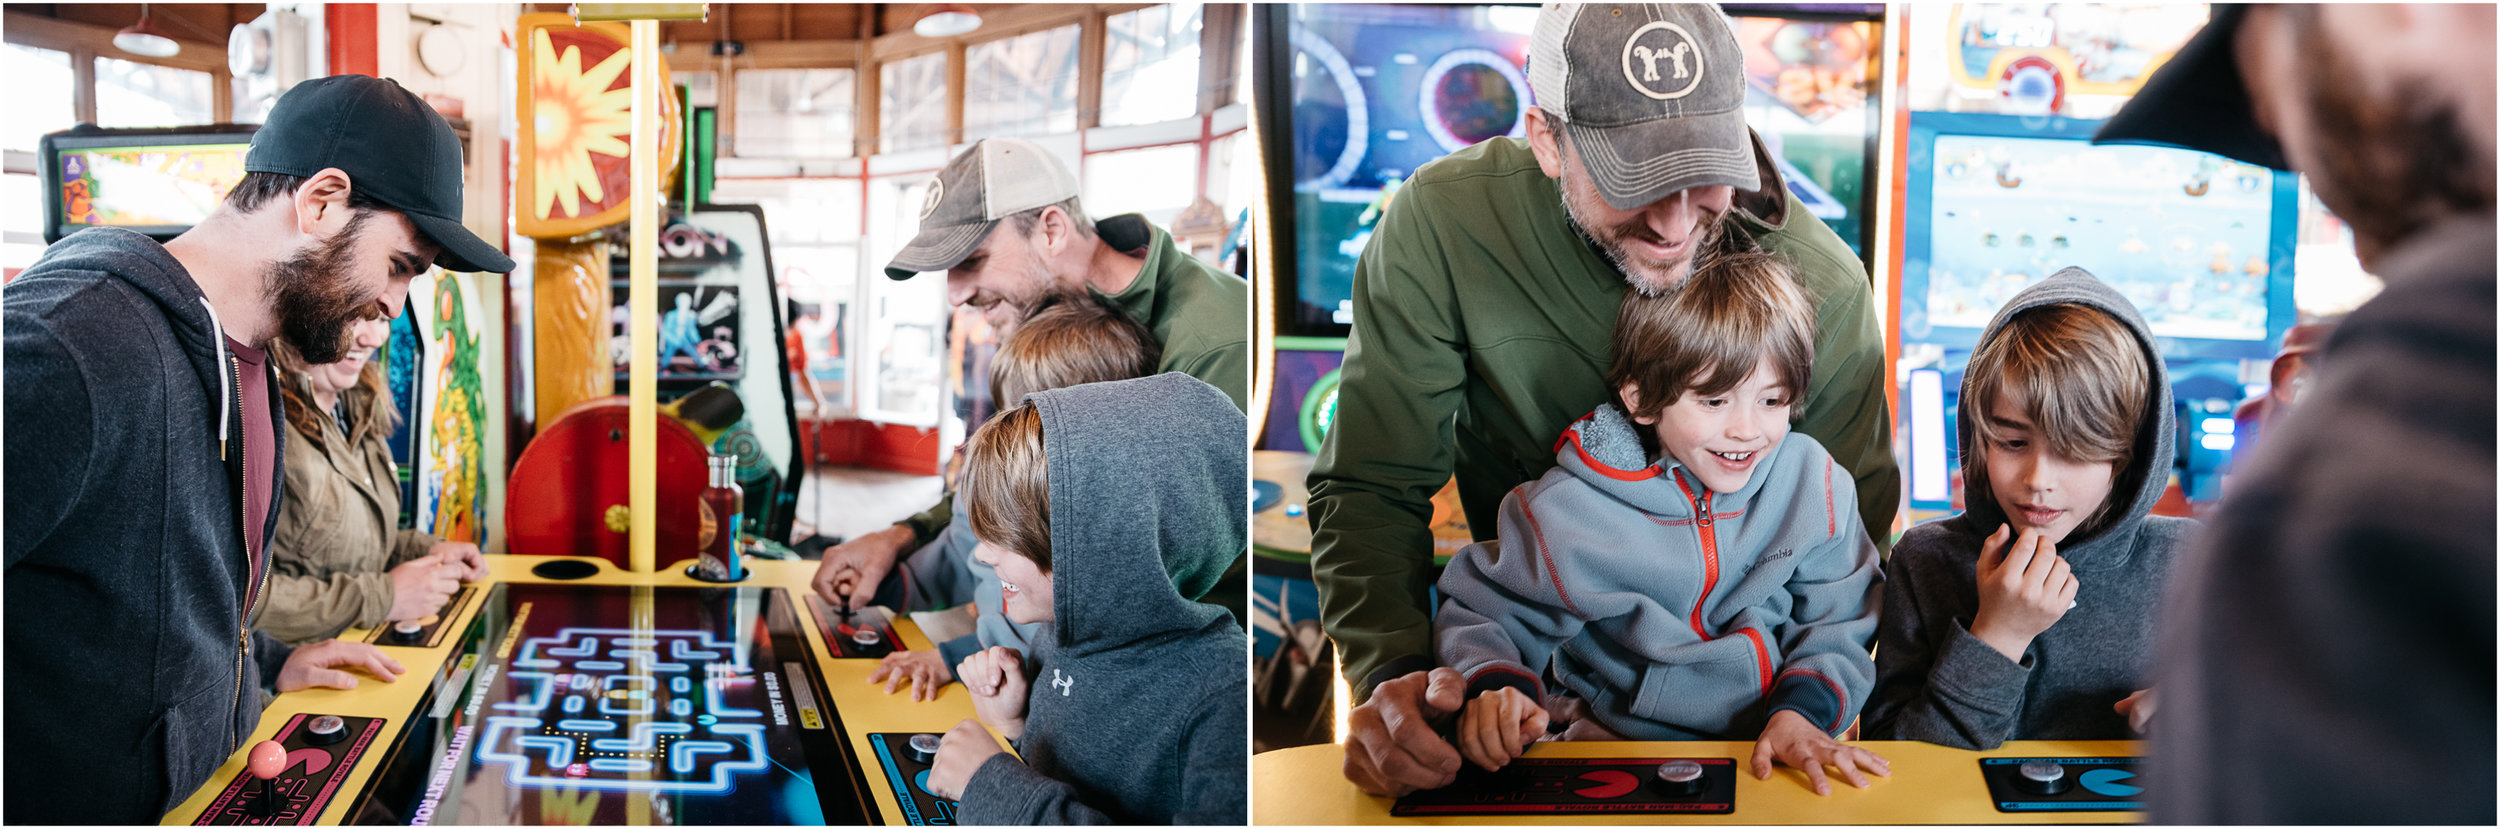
x=2198 y=100
x=394 y=149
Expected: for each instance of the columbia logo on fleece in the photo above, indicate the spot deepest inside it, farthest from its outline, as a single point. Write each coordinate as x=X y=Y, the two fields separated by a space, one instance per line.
x=1063 y=682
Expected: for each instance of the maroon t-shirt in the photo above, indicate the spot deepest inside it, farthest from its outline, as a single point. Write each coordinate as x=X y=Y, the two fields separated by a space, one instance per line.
x=260 y=451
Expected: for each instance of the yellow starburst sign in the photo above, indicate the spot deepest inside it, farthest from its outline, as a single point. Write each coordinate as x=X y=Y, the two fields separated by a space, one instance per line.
x=575 y=99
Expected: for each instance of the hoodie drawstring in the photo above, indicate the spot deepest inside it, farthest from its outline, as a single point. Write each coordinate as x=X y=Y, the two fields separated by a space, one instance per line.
x=218 y=333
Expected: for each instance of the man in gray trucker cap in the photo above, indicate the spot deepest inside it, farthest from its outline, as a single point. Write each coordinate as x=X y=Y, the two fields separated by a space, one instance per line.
x=1003 y=220
x=1482 y=311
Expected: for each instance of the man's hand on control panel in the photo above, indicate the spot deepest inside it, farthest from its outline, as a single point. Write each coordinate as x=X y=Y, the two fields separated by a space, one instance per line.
x=321 y=665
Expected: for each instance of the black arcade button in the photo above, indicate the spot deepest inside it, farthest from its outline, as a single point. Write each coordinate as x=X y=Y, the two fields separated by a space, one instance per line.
x=407 y=631
x=924 y=748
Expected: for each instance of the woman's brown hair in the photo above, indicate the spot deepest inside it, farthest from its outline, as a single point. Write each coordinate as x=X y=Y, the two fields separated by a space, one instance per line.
x=369 y=400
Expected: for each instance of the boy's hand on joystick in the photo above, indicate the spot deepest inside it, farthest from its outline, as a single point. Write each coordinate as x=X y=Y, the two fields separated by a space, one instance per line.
x=925 y=670
x=2024 y=587
x=1499 y=725
x=995 y=676
x=960 y=754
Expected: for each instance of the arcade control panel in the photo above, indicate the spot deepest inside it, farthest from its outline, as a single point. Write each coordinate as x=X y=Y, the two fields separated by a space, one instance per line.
x=429 y=631
x=291 y=778
x=906 y=759
x=861 y=633
x=1552 y=785
x=2064 y=784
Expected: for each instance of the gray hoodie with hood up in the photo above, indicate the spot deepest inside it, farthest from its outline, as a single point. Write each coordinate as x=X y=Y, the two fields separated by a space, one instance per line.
x=1139 y=713
x=1936 y=682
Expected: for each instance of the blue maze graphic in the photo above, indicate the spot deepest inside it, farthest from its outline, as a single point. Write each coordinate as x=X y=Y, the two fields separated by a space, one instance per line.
x=572 y=693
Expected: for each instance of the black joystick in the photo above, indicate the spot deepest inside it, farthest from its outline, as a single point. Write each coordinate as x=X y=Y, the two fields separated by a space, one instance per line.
x=2042 y=777
x=924 y=748
x=408 y=631
x=325 y=730
x=1680 y=778
x=868 y=642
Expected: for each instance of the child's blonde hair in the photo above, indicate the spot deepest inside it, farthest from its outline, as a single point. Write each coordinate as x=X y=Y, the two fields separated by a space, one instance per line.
x=2079 y=376
x=1707 y=335
x=1007 y=484
x=1068 y=340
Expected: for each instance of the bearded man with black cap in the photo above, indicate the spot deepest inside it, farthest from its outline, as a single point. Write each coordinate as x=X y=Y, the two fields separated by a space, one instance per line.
x=2326 y=651
x=143 y=461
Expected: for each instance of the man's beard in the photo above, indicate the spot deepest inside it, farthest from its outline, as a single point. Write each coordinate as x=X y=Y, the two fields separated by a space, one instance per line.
x=314 y=298
x=1044 y=284
x=1651 y=279
x=2387 y=165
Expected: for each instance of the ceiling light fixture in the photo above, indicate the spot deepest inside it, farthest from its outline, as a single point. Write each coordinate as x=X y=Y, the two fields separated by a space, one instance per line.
x=142 y=38
x=946 y=20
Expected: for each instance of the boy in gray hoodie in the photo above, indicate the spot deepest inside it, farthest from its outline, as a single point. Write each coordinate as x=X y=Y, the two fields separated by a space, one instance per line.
x=2030 y=615
x=1107 y=510
x=1690 y=570
x=1067 y=340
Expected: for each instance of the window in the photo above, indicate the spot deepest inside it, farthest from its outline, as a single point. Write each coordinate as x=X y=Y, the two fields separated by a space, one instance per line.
x=911 y=109
x=129 y=94
x=1150 y=65
x=795 y=113
x=41 y=91
x=702 y=87
x=1156 y=181
x=814 y=225
x=1020 y=86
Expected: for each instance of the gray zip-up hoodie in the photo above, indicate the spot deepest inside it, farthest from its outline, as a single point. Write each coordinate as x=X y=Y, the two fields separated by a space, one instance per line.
x=1677 y=613
x=1938 y=683
x=1140 y=712
x=129 y=672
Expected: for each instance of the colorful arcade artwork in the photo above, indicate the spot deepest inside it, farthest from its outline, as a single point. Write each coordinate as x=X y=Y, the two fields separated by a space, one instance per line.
x=451 y=487
x=147 y=186
x=572 y=177
x=706 y=712
x=2191 y=238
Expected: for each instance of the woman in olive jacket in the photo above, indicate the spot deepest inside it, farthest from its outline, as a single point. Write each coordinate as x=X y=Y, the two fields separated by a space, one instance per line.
x=339 y=558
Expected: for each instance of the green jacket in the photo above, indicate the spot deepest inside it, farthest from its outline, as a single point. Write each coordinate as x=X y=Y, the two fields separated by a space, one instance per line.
x=338 y=534
x=1198 y=312
x=1481 y=328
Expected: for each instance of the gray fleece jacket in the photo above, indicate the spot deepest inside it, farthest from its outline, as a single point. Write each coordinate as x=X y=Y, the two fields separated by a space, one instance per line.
x=1937 y=683
x=1139 y=713
x=1677 y=613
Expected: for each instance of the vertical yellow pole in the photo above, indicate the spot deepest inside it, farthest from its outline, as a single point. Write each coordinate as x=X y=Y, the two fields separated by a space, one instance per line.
x=643 y=293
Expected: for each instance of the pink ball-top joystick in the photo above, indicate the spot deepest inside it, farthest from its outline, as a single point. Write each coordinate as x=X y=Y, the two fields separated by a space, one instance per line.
x=267 y=759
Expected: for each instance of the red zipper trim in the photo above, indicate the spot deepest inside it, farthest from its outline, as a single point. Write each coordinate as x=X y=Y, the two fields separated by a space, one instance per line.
x=1709 y=551
x=1571 y=435
x=1546 y=554
x=1762 y=657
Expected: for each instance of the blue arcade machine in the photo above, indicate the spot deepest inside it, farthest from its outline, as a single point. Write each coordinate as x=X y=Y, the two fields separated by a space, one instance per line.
x=2201 y=244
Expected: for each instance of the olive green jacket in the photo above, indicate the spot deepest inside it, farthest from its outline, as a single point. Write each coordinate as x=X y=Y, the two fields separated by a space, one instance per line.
x=338 y=535
x=1482 y=328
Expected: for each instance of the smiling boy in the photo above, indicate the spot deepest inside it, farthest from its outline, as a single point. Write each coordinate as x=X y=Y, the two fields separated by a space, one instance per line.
x=2030 y=615
x=1690 y=570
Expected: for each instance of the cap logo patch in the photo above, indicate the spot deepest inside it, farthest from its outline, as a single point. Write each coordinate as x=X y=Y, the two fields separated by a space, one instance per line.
x=1662 y=41
x=937 y=190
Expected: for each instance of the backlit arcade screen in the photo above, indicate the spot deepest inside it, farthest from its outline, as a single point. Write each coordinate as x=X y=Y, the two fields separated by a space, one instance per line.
x=157 y=181
x=1376 y=92
x=612 y=705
